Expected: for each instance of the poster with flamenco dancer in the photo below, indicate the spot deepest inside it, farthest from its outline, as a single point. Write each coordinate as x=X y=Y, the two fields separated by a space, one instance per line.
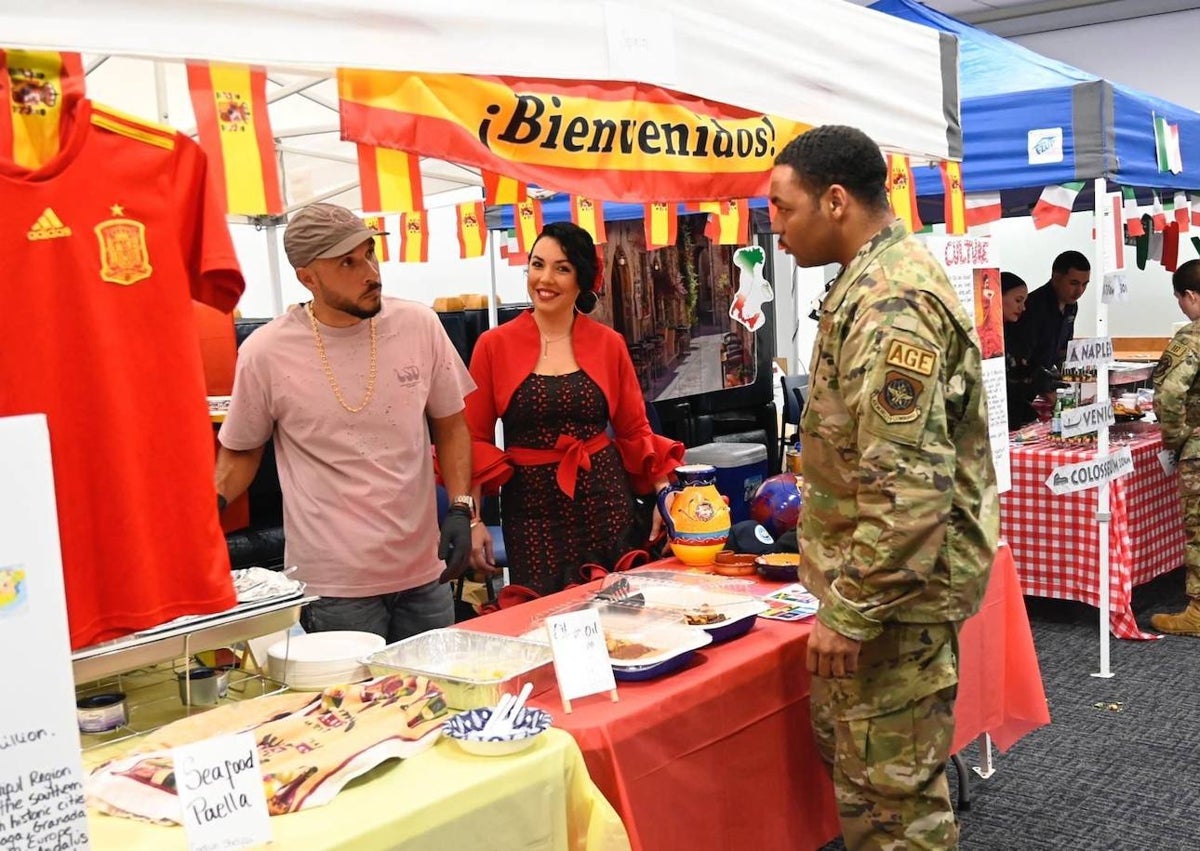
x=973 y=267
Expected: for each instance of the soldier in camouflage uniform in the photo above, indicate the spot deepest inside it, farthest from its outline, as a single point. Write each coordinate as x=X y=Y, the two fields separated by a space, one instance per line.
x=1177 y=406
x=901 y=515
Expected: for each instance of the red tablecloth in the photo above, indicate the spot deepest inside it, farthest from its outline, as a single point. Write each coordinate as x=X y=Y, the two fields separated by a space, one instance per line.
x=1056 y=541
x=720 y=754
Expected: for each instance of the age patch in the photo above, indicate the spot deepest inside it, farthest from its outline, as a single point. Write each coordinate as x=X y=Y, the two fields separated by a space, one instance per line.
x=913 y=358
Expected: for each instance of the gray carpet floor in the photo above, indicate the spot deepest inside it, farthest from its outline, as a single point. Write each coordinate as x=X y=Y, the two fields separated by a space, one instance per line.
x=1119 y=766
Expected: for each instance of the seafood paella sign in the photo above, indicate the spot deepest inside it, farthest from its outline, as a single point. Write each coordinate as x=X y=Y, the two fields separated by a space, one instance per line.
x=221 y=790
x=1072 y=478
x=581 y=662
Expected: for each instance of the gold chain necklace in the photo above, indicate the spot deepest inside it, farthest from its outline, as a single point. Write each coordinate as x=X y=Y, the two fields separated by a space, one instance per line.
x=325 y=365
x=546 y=341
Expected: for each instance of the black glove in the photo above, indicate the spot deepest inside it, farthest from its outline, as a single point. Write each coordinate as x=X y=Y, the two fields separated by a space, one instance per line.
x=455 y=545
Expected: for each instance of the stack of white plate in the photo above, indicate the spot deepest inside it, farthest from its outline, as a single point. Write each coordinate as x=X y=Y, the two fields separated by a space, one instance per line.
x=321 y=659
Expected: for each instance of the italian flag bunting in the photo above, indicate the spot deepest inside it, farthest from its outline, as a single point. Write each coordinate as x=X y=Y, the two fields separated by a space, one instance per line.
x=662 y=224
x=589 y=215
x=390 y=180
x=1054 y=207
x=230 y=102
x=1131 y=211
x=1194 y=203
x=1166 y=144
x=37 y=90
x=414 y=237
x=1158 y=213
x=902 y=191
x=955 y=202
x=1183 y=211
x=981 y=208
x=381 y=242
x=472 y=230
x=527 y=219
x=498 y=189
x=511 y=251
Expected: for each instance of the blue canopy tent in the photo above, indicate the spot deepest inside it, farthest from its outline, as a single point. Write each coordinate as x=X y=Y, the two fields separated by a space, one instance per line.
x=1008 y=92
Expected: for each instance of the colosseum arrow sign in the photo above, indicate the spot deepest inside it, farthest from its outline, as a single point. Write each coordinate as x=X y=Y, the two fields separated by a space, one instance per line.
x=1071 y=478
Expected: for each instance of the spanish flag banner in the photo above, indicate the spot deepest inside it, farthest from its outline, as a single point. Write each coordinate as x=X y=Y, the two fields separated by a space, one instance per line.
x=37 y=92
x=729 y=225
x=527 y=219
x=381 y=243
x=390 y=181
x=613 y=140
x=902 y=191
x=230 y=102
x=661 y=224
x=589 y=215
x=498 y=189
x=472 y=230
x=414 y=240
x=955 y=198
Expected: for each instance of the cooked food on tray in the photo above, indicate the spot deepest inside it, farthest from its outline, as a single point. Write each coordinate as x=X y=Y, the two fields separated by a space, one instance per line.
x=704 y=615
x=779 y=559
x=624 y=650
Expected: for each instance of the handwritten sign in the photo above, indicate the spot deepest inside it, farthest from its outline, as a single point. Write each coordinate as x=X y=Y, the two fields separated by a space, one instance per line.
x=1116 y=288
x=1087 y=419
x=41 y=788
x=1090 y=351
x=1071 y=478
x=581 y=661
x=220 y=788
x=1166 y=459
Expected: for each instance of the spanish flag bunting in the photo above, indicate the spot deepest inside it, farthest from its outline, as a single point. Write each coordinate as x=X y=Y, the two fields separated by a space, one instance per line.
x=730 y=225
x=230 y=102
x=589 y=215
x=661 y=224
x=414 y=239
x=527 y=219
x=472 y=230
x=902 y=191
x=955 y=199
x=390 y=180
x=498 y=189
x=381 y=243
x=37 y=91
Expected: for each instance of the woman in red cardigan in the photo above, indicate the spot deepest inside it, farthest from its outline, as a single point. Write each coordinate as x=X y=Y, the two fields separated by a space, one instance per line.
x=557 y=380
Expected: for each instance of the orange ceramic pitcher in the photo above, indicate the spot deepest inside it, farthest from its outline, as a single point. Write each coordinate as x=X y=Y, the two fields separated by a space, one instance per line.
x=695 y=514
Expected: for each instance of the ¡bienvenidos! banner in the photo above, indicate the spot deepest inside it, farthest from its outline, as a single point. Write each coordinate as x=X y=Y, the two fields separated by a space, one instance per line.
x=616 y=141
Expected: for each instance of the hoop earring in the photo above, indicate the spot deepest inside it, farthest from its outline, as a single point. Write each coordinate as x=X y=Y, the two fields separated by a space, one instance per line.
x=586 y=301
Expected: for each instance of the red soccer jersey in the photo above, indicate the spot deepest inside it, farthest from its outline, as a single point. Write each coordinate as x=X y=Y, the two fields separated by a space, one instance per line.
x=105 y=247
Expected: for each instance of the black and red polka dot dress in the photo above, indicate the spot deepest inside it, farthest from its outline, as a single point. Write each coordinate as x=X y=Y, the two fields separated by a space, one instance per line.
x=547 y=534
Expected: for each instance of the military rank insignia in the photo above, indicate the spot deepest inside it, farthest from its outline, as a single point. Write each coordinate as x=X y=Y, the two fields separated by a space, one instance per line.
x=1174 y=353
x=896 y=400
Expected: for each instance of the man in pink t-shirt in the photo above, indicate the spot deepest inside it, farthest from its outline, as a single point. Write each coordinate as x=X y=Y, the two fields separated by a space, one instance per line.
x=352 y=386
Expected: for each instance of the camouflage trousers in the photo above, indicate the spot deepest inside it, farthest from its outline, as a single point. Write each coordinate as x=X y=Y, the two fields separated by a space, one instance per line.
x=886 y=732
x=1189 y=491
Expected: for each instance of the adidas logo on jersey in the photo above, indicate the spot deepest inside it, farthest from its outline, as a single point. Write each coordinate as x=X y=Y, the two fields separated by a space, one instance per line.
x=48 y=226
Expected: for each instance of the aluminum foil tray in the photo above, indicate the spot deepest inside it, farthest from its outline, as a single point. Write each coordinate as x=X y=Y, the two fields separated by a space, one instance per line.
x=473 y=669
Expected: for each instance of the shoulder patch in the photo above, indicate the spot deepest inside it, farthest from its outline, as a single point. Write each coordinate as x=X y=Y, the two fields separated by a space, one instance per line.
x=910 y=357
x=897 y=400
x=122 y=124
x=1178 y=349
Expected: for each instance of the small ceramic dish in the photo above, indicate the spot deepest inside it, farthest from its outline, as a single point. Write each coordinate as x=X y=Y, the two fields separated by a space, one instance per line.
x=778 y=567
x=729 y=563
x=466 y=729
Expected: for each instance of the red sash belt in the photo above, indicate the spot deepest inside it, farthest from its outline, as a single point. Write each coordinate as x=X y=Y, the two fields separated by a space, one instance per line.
x=570 y=453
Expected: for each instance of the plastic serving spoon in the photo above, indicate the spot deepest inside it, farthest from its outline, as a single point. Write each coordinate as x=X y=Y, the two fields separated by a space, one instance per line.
x=498 y=719
x=518 y=706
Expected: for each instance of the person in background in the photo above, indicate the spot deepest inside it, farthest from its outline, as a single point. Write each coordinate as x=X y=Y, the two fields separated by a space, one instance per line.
x=557 y=379
x=1022 y=388
x=352 y=385
x=1039 y=337
x=900 y=518
x=1177 y=407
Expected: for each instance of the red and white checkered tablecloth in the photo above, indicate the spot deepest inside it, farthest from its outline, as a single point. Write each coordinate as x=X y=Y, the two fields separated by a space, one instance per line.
x=1056 y=540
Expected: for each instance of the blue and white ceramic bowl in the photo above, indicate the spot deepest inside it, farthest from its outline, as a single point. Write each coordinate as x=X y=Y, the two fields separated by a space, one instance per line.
x=466 y=729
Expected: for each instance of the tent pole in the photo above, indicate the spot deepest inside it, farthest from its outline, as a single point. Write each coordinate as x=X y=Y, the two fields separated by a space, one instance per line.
x=160 y=94
x=273 y=265
x=1102 y=494
x=493 y=311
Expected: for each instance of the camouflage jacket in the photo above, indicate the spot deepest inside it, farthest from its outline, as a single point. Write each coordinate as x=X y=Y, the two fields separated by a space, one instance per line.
x=901 y=514
x=1177 y=392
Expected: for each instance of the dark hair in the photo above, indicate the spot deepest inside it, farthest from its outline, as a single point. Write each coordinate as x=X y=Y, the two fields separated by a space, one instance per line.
x=1010 y=281
x=577 y=244
x=1069 y=260
x=1187 y=277
x=846 y=156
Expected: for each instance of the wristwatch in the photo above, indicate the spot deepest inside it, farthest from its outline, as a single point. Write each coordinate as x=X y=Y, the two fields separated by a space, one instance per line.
x=464 y=501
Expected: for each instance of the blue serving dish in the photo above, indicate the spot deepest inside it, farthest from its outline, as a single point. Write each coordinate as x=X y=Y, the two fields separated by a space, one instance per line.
x=649 y=672
x=467 y=727
x=729 y=630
